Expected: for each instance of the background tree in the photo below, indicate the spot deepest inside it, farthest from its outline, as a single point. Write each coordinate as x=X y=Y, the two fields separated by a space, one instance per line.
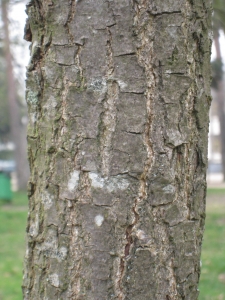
x=118 y=95
x=4 y=115
x=13 y=124
x=217 y=68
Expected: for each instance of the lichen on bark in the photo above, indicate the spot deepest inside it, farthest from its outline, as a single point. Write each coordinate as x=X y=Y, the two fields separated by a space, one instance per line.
x=118 y=96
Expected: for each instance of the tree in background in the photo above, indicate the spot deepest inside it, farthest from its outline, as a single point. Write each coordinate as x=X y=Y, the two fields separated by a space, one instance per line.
x=217 y=68
x=118 y=94
x=14 y=124
x=4 y=114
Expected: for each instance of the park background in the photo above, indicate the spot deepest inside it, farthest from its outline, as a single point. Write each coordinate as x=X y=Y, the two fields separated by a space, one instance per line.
x=14 y=56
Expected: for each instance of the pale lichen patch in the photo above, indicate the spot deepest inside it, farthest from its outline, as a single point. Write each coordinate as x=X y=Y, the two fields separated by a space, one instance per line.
x=53 y=279
x=59 y=254
x=99 y=220
x=98 y=85
x=141 y=234
x=110 y=184
x=168 y=189
x=122 y=84
x=96 y=180
x=62 y=253
x=33 y=117
x=34 y=228
x=32 y=97
x=117 y=183
x=73 y=181
x=47 y=200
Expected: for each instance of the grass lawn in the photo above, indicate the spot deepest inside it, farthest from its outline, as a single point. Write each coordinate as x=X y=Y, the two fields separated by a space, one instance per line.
x=12 y=246
x=12 y=231
x=212 y=281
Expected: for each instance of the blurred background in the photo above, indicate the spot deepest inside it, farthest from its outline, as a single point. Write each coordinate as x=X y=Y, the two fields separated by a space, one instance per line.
x=13 y=112
x=14 y=170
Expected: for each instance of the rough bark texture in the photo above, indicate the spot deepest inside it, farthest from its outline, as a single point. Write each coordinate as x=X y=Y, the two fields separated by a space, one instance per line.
x=118 y=95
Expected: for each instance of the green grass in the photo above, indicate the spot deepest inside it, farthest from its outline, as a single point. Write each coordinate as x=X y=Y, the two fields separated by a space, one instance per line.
x=213 y=259
x=212 y=281
x=13 y=217
x=216 y=191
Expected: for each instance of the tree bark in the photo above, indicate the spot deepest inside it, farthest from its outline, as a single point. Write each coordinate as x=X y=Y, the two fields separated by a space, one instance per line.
x=18 y=133
x=118 y=95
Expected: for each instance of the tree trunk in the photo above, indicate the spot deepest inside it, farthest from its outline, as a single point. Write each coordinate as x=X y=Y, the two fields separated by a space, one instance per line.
x=220 y=101
x=118 y=95
x=16 y=128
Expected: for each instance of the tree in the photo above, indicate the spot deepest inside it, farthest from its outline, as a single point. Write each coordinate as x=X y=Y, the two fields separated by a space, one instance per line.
x=17 y=129
x=219 y=24
x=4 y=115
x=118 y=95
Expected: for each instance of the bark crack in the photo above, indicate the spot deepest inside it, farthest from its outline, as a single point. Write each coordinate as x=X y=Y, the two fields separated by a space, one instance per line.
x=79 y=65
x=164 y=13
x=145 y=47
x=108 y=119
x=64 y=115
x=71 y=15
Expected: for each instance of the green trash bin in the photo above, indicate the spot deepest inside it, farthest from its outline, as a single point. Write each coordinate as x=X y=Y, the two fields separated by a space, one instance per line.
x=5 y=187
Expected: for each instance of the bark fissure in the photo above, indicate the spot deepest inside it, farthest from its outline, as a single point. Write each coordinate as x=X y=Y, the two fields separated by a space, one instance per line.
x=108 y=118
x=149 y=94
x=72 y=11
x=165 y=13
x=64 y=115
x=78 y=63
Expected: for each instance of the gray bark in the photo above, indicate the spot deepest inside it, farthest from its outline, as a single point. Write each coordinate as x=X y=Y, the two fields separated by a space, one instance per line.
x=118 y=95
